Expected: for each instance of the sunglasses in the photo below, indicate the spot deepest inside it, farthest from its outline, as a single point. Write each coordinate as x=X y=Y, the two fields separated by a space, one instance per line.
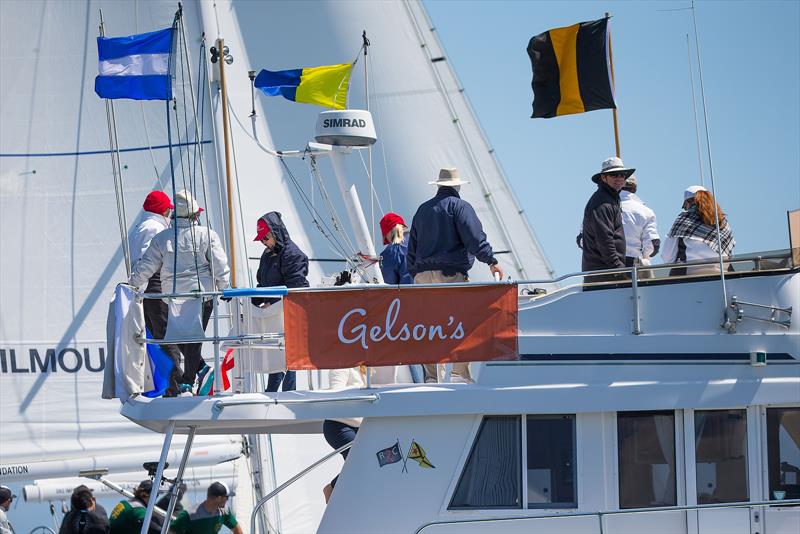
x=615 y=174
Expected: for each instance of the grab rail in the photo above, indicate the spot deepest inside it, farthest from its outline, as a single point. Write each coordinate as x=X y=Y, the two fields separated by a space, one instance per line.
x=600 y=515
x=261 y=502
x=220 y=405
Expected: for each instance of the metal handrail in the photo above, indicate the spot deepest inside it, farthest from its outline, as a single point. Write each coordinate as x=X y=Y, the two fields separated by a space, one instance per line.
x=220 y=405
x=601 y=514
x=261 y=502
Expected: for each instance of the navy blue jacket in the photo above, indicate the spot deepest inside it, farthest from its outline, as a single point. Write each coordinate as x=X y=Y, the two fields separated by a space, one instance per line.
x=447 y=236
x=284 y=265
x=393 y=264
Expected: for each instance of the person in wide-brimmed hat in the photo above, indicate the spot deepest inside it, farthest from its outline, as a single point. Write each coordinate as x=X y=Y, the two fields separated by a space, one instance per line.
x=602 y=237
x=189 y=257
x=446 y=237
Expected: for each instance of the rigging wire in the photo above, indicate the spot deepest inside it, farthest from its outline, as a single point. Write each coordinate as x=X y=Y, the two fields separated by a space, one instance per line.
x=337 y=223
x=379 y=113
x=373 y=192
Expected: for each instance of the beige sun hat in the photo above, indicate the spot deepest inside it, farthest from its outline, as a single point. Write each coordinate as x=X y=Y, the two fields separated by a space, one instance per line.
x=612 y=164
x=185 y=206
x=449 y=177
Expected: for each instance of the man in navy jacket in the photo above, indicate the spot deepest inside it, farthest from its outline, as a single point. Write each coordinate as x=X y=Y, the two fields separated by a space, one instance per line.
x=446 y=237
x=282 y=264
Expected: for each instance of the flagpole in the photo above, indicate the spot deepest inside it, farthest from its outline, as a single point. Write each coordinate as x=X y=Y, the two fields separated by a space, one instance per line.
x=613 y=88
x=226 y=137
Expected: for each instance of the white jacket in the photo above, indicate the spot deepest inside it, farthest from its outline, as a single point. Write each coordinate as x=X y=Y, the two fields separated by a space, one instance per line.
x=199 y=249
x=5 y=526
x=143 y=232
x=639 y=224
x=347 y=379
x=696 y=249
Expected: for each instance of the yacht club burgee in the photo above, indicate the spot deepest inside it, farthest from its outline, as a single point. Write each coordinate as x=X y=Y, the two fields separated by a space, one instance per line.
x=397 y=327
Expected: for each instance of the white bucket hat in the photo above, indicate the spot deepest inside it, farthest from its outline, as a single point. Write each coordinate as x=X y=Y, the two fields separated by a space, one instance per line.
x=691 y=191
x=185 y=206
x=612 y=164
x=449 y=177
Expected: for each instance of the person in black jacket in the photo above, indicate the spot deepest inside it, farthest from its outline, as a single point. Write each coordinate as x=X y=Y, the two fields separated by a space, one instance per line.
x=282 y=264
x=602 y=237
x=86 y=516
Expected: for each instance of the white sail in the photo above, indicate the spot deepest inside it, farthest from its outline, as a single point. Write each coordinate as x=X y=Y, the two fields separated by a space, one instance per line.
x=61 y=244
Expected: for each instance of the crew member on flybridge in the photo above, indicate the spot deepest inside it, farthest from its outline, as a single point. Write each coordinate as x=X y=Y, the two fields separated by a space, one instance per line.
x=155 y=219
x=446 y=237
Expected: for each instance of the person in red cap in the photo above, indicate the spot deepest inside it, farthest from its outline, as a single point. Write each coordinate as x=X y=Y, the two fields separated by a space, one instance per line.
x=393 y=257
x=154 y=219
x=282 y=264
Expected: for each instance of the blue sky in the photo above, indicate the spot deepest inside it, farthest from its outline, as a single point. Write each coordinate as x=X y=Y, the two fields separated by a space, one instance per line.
x=751 y=67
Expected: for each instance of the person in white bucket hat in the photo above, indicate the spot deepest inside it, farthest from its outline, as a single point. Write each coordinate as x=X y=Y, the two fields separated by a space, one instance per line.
x=201 y=265
x=602 y=237
x=446 y=237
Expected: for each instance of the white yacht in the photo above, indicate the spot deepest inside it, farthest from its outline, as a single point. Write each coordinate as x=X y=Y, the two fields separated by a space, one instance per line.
x=632 y=406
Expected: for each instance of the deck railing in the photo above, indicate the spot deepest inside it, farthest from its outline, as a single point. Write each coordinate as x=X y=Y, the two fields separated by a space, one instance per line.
x=634 y=277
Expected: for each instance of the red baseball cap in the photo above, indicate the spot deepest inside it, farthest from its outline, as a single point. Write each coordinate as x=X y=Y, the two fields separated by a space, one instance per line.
x=263 y=230
x=157 y=202
x=389 y=221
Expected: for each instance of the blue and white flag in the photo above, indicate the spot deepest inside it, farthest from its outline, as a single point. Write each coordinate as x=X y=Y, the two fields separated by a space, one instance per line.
x=135 y=67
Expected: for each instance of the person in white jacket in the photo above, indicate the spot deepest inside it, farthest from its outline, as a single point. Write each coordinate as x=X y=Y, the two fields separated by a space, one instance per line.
x=339 y=432
x=6 y=498
x=189 y=258
x=153 y=220
x=639 y=223
x=693 y=235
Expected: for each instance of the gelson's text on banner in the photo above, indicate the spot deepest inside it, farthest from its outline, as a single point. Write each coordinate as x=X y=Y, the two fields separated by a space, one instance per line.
x=391 y=326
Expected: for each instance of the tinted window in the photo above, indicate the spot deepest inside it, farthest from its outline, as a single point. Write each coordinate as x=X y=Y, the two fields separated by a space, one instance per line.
x=551 y=461
x=783 y=452
x=721 y=456
x=646 y=459
x=492 y=475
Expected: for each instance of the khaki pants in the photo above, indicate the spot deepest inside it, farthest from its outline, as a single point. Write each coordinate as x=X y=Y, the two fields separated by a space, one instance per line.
x=460 y=370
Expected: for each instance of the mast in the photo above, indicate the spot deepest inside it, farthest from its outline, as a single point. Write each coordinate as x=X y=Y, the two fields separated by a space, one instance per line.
x=221 y=56
x=613 y=87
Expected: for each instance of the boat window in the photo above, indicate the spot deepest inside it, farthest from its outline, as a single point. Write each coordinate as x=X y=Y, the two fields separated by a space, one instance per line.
x=783 y=452
x=646 y=459
x=721 y=456
x=492 y=476
x=551 y=461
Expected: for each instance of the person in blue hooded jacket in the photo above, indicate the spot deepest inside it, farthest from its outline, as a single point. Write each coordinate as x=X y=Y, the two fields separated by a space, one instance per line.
x=282 y=264
x=393 y=257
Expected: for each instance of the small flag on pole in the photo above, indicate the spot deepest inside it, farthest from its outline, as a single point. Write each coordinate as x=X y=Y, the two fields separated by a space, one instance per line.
x=571 y=70
x=415 y=452
x=324 y=86
x=390 y=455
x=135 y=67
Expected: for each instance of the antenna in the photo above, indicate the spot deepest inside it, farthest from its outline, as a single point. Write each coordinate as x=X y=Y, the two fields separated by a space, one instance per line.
x=694 y=110
x=369 y=150
x=725 y=321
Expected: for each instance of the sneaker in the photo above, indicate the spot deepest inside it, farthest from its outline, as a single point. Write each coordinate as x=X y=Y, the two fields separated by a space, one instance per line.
x=201 y=374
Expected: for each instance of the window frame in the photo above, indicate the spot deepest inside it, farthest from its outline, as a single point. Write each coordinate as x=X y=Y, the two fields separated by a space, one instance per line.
x=678 y=458
x=574 y=505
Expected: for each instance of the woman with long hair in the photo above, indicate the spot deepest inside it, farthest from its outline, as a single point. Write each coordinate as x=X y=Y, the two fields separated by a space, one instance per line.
x=693 y=235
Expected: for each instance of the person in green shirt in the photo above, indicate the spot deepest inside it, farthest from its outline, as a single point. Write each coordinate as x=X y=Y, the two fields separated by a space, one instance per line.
x=127 y=516
x=210 y=514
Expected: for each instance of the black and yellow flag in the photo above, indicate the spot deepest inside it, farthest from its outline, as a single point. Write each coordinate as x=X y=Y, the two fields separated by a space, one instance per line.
x=571 y=70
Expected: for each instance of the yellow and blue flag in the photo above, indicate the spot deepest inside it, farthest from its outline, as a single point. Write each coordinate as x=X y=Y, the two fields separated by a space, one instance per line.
x=324 y=86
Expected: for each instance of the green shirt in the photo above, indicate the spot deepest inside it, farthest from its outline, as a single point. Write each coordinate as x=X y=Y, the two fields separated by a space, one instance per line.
x=127 y=517
x=202 y=522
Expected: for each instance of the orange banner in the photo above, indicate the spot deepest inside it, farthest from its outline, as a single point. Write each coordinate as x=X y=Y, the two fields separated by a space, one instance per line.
x=394 y=326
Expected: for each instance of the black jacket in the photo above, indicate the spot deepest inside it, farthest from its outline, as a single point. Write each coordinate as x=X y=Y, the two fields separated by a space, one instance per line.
x=85 y=522
x=603 y=236
x=447 y=236
x=284 y=265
